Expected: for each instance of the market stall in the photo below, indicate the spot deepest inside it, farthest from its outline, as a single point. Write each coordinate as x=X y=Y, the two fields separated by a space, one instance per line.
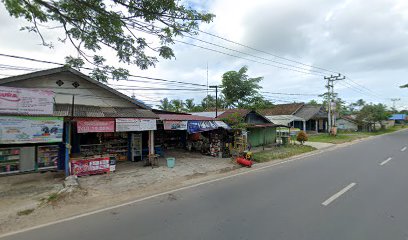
x=99 y=142
x=193 y=133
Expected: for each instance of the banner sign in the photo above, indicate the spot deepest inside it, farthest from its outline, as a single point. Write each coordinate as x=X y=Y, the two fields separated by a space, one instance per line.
x=31 y=129
x=202 y=126
x=95 y=125
x=135 y=124
x=175 y=125
x=90 y=166
x=26 y=101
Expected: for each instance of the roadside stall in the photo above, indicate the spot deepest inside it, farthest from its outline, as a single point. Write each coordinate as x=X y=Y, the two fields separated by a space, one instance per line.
x=100 y=142
x=193 y=133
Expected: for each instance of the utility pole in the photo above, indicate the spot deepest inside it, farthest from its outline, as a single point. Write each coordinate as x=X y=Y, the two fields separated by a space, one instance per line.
x=330 y=94
x=216 y=99
x=394 y=100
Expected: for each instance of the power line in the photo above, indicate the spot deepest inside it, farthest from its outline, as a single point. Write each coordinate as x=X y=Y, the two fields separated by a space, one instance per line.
x=261 y=51
x=86 y=68
x=262 y=58
x=251 y=60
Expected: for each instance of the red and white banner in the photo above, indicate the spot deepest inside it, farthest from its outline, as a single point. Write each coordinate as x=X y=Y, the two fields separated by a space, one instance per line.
x=89 y=166
x=95 y=125
x=26 y=101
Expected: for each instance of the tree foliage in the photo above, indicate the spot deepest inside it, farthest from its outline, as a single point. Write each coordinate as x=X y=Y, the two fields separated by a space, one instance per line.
x=238 y=89
x=120 y=25
x=373 y=113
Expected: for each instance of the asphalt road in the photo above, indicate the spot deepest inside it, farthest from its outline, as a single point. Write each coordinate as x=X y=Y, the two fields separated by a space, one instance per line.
x=354 y=192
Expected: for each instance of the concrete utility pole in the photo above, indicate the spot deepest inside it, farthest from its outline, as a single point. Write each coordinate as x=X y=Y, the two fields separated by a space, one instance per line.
x=394 y=100
x=330 y=85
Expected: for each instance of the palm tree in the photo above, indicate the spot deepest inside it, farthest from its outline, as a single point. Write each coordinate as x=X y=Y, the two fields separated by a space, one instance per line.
x=177 y=105
x=189 y=105
x=165 y=105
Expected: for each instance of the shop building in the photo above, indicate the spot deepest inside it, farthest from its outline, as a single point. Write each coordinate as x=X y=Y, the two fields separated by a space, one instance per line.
x=256 y=129
x=193 y=133
x=59 y=117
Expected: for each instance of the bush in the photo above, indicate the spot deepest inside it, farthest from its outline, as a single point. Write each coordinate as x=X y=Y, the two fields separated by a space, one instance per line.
x=302 y=137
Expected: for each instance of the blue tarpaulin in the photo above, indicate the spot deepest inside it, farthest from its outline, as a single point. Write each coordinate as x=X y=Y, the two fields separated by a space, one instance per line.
x=202 y=126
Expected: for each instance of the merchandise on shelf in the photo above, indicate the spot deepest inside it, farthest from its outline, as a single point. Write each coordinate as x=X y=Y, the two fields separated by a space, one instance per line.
x=9 y=160
x=47 y=156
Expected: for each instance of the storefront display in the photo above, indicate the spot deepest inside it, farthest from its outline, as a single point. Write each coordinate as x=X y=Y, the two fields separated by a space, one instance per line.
x=47 y=156
x=115 y=144
x=137 y=149
x=9 y=160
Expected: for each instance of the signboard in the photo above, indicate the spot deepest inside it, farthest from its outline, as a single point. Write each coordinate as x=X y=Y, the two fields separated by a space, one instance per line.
x=82 y=167
x=175 y=125
x=26 y=101
x=95 y=125
x=135 y=124
x=31 y=129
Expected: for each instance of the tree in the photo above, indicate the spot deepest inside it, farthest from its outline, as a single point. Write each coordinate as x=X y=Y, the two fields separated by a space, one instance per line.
x=189 y=105
x=373 y=113
x=116 y=24
x=257 y=102
x=238 y=89
x=313 y=102
x=177 y=104
x=208 y=103
x=165 y=105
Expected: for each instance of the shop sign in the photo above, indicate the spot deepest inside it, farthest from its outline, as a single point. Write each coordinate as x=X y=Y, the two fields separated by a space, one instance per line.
x=135 y=124
x=90 y=166
x=175 y=125
x=26 y=101
x=95 y=125
x=31 y=129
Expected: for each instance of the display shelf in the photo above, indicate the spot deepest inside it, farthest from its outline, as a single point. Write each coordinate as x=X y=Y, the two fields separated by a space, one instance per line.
x=9 y=160
x=47 y=156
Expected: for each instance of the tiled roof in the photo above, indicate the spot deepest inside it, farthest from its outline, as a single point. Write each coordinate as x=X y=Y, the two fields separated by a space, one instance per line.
x=309 y=111
x=184 y=117
x=64 y=110
x=282 y=109
x=228 y=112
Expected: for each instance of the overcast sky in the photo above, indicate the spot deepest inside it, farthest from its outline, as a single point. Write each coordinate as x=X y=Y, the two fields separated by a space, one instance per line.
x=365 y=40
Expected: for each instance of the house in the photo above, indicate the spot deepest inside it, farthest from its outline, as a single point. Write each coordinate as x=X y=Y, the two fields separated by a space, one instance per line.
x=315 y=118
x=260 y=130
x=398 y=118
x=299 y=115
x=60 y=117
x=347 y=123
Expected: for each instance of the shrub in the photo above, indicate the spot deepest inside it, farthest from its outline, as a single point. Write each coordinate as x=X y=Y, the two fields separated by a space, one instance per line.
x=302 y=137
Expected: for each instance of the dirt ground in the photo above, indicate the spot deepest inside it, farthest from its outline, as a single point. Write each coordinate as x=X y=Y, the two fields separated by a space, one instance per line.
x=31 y=199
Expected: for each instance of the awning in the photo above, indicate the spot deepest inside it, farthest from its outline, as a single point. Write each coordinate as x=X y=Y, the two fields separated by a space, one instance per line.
x=203 y=126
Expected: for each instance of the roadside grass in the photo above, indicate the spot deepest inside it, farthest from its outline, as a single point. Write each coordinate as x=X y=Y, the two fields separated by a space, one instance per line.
x=25 y=212
x=343 y=137
x=281 y=152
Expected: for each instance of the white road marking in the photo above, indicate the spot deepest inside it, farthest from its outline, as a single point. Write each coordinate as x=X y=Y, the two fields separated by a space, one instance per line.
x=384 y=162
x=403 y=149
x=337 y=195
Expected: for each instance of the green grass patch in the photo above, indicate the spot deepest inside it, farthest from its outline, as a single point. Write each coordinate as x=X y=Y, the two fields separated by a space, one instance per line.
x=343 y=137
x=339 y=138
x=25 y=212
x=53 y=197
x=281 y=152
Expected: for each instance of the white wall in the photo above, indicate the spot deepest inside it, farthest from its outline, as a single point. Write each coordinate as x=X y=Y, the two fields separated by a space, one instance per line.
x=346 y=125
